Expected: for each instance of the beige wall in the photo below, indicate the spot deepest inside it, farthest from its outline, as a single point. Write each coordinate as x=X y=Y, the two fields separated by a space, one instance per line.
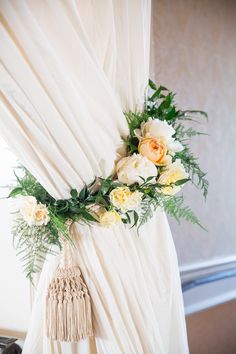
x=194 y=54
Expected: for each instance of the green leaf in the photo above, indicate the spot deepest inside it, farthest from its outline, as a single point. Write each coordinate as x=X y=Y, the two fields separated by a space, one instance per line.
x=61 y=206
x=93 y=182
x=87 y=216
x=106 y=184
x=150 y=178
x=75 y=209
x=180 y=182
x=15 y=191
x=157 y=94
x=152 y=84
x=128 y=217
x=101 y=200
x=83 y=193
x=172 y=114
x=74 y=193
x=136 y=217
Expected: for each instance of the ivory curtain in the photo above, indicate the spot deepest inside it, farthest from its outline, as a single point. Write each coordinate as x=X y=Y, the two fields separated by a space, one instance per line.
x=69 y=69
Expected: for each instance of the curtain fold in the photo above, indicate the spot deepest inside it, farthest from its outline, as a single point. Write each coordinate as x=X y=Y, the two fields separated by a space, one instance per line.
x=69 y=68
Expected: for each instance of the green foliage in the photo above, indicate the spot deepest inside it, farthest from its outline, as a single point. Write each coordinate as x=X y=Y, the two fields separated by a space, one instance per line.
x=160 y=104
x=28 y=185
x=192 y=115
x=33 y=244
x=190 y=162
x=172 y=205
x=182 y=134
x=134 y=120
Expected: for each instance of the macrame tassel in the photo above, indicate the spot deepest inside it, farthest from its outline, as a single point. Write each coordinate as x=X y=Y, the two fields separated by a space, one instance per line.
x=68 y=304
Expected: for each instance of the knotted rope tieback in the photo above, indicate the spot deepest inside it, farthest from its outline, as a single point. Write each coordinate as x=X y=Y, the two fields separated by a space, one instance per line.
x=68 y=304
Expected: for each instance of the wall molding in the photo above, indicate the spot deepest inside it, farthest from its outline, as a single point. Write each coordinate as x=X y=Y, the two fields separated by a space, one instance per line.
x=212 y=294
x=204 y=265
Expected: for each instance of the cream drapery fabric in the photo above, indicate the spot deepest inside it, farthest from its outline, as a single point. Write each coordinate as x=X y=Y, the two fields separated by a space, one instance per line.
x=69 y=68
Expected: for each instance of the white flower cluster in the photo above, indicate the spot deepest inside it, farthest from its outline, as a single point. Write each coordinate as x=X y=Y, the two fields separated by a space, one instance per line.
x=156 y=148
x=154 y=159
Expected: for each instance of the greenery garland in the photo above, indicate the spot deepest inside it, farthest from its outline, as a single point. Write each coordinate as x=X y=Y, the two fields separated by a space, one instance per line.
x=157 y=143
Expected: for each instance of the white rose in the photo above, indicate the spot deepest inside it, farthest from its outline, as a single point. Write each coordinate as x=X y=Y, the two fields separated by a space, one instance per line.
x=129 y=169
x=41 y=215
x=27 y=205
x=32 y=212
x=161 y=129
x=172 y=174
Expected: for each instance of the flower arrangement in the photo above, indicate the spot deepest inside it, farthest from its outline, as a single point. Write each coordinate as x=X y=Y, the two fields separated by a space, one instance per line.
x=157 y=165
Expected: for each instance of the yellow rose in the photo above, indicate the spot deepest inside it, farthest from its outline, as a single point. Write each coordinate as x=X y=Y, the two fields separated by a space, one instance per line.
x=172 y=174
x=109 y=218
x=119 y=196
x=155 y=150
x=122 y=198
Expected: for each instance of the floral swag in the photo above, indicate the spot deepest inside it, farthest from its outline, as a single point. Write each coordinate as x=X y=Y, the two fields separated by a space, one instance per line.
x=158 y=163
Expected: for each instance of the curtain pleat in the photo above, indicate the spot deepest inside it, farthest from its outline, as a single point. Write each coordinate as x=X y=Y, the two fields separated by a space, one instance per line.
x=69 y=69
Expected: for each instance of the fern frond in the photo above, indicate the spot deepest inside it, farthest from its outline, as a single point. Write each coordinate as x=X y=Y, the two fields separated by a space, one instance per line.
x=174 y=206
x=182 y=134
x=191 y=165
x=134 y=120
x=33 y=244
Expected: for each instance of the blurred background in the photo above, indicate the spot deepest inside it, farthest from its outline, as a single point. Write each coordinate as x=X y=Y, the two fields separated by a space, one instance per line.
x=193 y=53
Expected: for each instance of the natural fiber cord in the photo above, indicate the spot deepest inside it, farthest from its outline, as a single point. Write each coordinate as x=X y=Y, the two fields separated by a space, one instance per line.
x=68 y=304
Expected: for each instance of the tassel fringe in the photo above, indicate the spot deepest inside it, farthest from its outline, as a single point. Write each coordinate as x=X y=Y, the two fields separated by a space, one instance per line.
x=68 y=307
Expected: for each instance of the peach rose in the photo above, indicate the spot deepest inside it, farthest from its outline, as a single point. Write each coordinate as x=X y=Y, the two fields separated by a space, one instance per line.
x=155 y=150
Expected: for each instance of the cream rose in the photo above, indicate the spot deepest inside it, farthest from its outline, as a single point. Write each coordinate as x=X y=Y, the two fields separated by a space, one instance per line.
x=32 y=212
x=41 y=215
x=155 y=150
x=172 y=174
x=124 y=199
x=27 y=205
x=129 y=169
x=109 y=218
x=157 y=128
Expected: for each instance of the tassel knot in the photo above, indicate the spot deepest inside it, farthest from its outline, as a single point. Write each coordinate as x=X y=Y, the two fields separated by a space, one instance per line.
x=68 y=304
